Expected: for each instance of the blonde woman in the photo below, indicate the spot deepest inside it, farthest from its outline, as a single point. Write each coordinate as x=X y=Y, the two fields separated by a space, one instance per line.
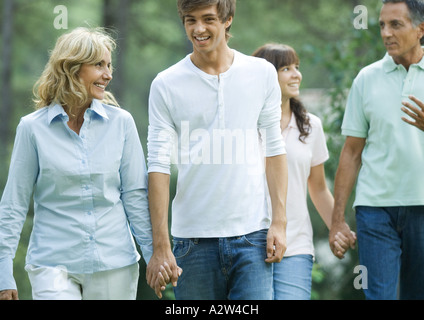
x=82 y=161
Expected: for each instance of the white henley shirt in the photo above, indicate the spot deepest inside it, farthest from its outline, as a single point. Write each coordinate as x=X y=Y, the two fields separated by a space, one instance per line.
x=210 y=126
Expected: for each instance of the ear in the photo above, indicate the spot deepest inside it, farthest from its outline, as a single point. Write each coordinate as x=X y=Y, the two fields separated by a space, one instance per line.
x=228 y=22
x=421 y=30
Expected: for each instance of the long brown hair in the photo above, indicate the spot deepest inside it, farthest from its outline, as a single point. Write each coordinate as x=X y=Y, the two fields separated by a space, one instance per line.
x=281 y=55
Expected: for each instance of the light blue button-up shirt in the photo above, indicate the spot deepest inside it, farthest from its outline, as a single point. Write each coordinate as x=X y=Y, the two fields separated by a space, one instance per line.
x=89 y=191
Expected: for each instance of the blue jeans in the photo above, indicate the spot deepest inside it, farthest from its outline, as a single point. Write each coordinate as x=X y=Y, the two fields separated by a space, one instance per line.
x=293 y=278
x=231 y=268
x=391 y=247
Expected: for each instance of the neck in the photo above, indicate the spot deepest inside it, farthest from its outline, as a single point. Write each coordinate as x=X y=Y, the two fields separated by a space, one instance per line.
x=413 y=58
x=76 y=119
x=285 y=105
x=285 y=113
x=215 y=62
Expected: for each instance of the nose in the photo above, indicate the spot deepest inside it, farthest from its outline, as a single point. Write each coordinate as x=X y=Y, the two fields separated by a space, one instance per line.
x=199 y=28
x=107 y=75
x=385 y=32
x=296 y=74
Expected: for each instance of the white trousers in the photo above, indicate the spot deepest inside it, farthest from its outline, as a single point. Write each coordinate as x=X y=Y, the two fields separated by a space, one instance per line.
x=55 y=283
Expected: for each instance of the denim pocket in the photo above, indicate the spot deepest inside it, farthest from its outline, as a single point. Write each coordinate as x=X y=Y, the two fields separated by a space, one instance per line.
x=257 y=238
x=181 y=247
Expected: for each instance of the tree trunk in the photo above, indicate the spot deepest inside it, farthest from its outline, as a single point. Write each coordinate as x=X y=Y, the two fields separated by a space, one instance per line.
x=6 y=76
x=116 y=14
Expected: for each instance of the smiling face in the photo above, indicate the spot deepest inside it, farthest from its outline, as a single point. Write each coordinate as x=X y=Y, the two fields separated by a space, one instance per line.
x=205 y=30
x=96 y=77
x=401 y=38
x=290 y=79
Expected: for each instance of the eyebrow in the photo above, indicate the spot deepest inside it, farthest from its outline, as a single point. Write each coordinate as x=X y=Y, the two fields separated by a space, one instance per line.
x=203 y=16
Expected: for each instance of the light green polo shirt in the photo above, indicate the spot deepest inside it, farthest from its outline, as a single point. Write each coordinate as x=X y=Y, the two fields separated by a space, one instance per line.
x=392 y=171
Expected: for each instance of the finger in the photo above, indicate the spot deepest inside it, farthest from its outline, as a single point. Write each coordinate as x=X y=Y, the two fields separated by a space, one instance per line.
x=342 y=240
x=408 y=121
x=275 y=253
x=338 y=250
x=352 y=239
x=167 y=268
x=158 y=292
x=174 y=275
x=162 y=281
x=409 y=110
x=165 y=274
x=418 y=102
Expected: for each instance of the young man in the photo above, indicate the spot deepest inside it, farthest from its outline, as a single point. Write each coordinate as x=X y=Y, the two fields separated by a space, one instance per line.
x=209 y=108
x=389 y=155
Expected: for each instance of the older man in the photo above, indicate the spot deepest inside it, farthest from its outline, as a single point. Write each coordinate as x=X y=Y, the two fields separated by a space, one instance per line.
x=389 y=155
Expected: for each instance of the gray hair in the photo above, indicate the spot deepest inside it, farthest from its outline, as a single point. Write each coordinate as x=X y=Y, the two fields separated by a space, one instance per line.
x=416 y=10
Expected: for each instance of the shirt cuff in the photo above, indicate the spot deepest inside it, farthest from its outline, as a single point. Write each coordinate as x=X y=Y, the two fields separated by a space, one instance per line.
x=7 y=282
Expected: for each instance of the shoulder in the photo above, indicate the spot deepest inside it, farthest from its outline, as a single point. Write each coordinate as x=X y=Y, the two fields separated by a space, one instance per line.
x=314 y=120
x=178 y=70
x=117 y=113
x=251 y=62
x=37 y=117
x=374 y=69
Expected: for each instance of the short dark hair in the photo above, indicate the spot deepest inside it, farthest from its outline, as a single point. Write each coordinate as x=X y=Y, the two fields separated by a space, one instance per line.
x=226 y=9
x=416 y=11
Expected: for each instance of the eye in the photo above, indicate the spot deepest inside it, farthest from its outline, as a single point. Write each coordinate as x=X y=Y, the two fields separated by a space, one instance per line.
x=190 y=20
x=396 y=24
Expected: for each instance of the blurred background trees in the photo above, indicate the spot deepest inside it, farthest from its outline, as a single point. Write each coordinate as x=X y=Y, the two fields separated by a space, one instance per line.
x=151 y=37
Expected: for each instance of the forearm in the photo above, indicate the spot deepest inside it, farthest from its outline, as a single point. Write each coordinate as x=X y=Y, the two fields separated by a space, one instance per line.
x=347 y=172
x=320 y=195
x=276 y=173
x=158 y=204
x=324 y=203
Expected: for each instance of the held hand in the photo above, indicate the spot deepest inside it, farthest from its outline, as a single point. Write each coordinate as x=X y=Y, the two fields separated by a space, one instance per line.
x=162 y=269
x=165 y=275
x=417 y=114
x=341 y=238
x=276 y=244
x=9 y=295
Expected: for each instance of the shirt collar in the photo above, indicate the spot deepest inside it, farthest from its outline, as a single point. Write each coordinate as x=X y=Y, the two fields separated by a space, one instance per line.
x=56 y=109
x=292 y=123
x=390 y=65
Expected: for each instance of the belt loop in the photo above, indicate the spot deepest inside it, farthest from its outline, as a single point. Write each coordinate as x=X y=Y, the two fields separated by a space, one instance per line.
x=196 y=240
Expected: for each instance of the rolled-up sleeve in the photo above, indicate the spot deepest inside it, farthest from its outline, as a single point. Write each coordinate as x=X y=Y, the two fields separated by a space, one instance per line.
x=15 y=201
x=270 y=116
x=161 y=134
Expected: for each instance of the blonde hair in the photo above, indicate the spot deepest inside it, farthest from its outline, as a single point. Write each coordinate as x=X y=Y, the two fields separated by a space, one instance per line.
x=60 y=81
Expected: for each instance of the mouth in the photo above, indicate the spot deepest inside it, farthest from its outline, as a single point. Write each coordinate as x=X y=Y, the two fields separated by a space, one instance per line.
x=101 y=86
x=202 y=39
x=294 y=85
